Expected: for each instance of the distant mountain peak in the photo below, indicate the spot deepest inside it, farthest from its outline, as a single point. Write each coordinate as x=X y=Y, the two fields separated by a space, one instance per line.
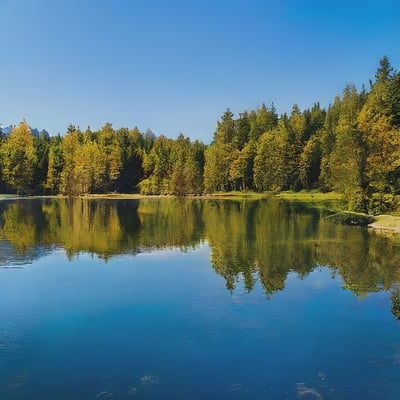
x=7 y=129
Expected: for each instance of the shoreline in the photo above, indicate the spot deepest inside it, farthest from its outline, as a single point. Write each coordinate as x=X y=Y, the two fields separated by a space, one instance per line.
x=386 y=224
x=137 y=196
x=287 y=195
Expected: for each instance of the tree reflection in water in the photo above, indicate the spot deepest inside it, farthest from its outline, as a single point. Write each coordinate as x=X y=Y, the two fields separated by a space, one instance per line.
x=250 y=240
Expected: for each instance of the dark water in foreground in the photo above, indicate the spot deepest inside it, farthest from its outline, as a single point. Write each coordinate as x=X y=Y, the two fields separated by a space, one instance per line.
x=194 y=299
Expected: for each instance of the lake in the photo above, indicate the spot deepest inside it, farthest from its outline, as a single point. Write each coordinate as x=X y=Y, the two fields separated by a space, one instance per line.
x=194 y=299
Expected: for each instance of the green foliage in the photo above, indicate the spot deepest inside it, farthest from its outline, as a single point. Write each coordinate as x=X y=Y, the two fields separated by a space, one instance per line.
x=379 y=203
x=327 y=139
x=55 y=165
x=18 y=159
x=395 y=297
x=242 y=130
x=179 y=156
x=69 y=179
x=41 y=148
x=315 y=119
x=378 y=122
x=261 y=121
x=218 y=158
x=310 y=163
x=347 y=158
x=132 y=149
x=241 y=168
x=225 y=132
x=270 y=161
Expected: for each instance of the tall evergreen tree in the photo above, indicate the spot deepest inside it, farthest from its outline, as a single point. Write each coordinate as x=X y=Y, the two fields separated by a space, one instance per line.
x=55 y=165
x=220 y=154
x=242 y=130
x=157 y=168
x=378 y=121
x=241 y=169
x=347 y=160
x=131 y=145
x=310 y=163
x=218 y=160
x=262 y=121
x=42 y=145
x=226 y=130
x=270 y=162
x=69 y=179
x=296 y=128
x=327 y=143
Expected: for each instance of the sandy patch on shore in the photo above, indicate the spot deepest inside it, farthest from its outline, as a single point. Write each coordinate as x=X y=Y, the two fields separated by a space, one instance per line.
x=387 y=223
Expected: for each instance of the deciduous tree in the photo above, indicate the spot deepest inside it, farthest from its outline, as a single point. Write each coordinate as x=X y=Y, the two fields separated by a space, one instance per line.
x=18 y=159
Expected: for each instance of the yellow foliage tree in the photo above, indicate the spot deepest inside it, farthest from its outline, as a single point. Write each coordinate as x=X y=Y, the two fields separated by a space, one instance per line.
x=18 y=159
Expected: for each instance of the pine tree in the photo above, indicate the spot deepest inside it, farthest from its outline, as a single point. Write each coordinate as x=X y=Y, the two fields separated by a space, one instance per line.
x=378 y=121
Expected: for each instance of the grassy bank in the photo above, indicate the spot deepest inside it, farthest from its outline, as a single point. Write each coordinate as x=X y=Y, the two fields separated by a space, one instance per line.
x=300 y=196
x=304 y=195
x=238 y=195
x=313 y=195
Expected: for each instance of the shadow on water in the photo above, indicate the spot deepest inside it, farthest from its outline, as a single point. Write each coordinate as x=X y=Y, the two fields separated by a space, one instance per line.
x=251 y=241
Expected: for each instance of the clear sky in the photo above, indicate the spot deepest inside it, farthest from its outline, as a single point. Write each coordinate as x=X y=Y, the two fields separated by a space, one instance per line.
x=175 y=66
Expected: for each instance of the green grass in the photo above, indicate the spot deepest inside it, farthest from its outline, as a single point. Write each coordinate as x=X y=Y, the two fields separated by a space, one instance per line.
x=239 y=195
x=310 y=195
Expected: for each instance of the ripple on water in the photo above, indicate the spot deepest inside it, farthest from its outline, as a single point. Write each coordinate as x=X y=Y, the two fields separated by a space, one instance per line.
x=305 y=393
x=148 y=380
x=132 y=391
x=396 y=358
x=14 y=333
x=104 y=395
x=236 y=387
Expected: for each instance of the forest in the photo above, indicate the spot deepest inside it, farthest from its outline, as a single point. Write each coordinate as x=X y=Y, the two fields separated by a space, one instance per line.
x=352 y=147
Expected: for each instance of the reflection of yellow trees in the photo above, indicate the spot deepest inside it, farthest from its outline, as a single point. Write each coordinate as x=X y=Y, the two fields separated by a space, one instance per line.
x=88 y=226
x=18 y=227
x=100 y=227
x=230 y=239
x=366 y=261
x=103 y=227
x=250 y=240
x=385 y=255
x=170 y=222
x=346 y=250
x=269 y=238
x=275 y=238
x=283 y=243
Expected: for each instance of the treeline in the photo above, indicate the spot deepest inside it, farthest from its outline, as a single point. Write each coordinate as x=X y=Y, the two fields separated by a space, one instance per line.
x=108 y=160
x=353 y=147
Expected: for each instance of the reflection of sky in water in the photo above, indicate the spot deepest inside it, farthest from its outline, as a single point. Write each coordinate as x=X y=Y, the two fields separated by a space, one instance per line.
x=11 y=259
x=162 y=325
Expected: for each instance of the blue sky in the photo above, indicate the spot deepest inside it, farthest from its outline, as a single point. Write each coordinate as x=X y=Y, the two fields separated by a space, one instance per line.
x=175 y=66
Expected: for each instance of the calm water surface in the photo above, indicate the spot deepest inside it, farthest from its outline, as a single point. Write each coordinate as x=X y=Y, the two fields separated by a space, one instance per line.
x=194 y=299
